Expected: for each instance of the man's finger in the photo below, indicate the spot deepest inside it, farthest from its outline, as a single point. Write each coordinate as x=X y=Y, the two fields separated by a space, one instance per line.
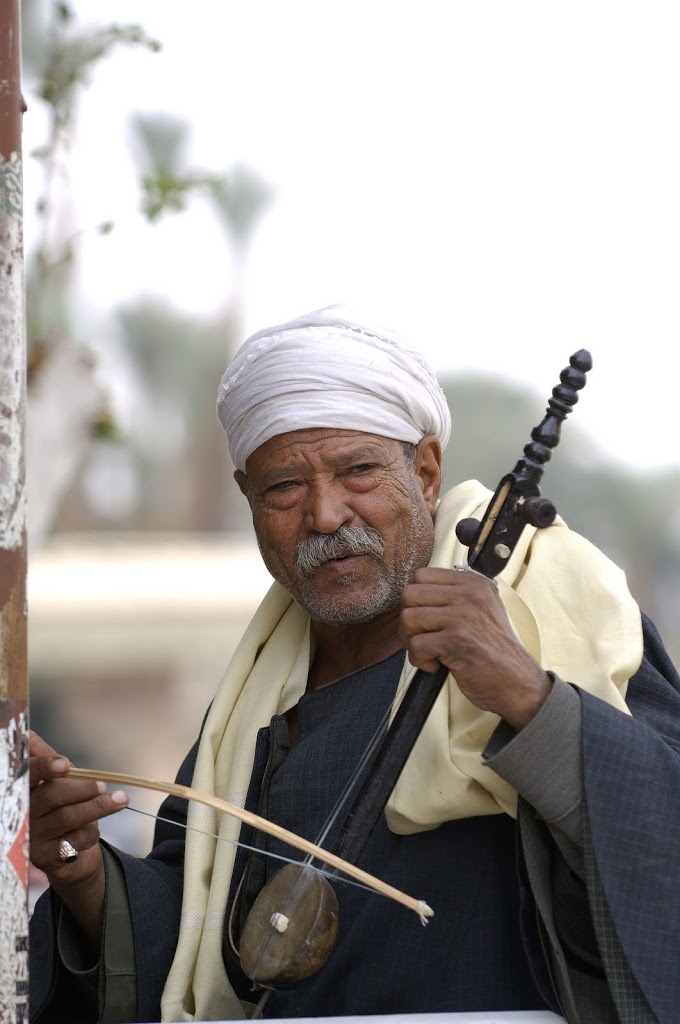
x=47 y=767
x=37 y=746
x=427 y=595
x=71 y=817
x=81 y=840
x=60 y=793
x=457 y=575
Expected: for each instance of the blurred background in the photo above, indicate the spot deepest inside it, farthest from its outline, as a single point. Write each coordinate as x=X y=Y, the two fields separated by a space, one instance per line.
x=499 y=181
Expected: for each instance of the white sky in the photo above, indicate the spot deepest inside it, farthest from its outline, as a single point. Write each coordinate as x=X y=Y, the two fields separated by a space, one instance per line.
x=499 y=180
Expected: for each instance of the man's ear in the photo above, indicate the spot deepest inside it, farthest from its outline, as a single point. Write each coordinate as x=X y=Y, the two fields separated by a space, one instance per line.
x=242 y=481
x=428 y=468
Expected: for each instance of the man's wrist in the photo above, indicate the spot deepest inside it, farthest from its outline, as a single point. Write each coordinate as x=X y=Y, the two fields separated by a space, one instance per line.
x=525 y=703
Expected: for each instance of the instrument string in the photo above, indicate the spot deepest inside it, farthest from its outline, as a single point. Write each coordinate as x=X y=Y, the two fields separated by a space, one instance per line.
x=327 y=872
x=290 y=838
x=254 y=849
x=362 y=764
x=347 y=792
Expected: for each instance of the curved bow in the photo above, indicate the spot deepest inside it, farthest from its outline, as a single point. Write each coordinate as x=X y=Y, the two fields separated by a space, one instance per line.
x=187 y=793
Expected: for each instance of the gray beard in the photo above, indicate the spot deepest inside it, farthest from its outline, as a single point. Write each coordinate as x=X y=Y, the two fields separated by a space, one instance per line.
x=384 y=595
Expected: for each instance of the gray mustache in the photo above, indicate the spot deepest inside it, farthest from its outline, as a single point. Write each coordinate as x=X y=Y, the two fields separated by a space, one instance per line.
x=347 y=540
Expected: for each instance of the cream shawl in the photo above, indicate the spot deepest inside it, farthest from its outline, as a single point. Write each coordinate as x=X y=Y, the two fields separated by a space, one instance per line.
x=569 y=605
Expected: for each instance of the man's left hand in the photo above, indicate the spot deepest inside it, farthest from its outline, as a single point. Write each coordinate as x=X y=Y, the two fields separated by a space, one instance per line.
x=456 y=618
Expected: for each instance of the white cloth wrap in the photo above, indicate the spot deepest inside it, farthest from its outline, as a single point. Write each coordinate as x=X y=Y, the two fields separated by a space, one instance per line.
x=328 y=369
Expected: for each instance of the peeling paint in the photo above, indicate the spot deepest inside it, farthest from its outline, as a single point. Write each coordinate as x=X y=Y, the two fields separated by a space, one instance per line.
x=12 y=355
x=14 y=789
x=14 y=797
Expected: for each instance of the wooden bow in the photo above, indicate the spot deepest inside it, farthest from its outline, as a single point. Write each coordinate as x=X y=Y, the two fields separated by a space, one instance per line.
x=187 y=793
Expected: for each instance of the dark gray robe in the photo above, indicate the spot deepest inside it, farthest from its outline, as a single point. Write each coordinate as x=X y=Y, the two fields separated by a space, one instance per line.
x=632 y=846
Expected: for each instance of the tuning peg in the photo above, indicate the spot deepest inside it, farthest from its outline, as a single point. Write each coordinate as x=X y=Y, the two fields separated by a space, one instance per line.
x=539 y=512
x=466 y=530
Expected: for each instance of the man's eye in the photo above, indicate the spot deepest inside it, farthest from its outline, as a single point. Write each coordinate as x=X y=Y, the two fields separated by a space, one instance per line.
x=363 y=467
x=283 y=485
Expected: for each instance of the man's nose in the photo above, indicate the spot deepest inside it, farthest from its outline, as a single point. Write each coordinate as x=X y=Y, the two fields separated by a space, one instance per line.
x=326 y=508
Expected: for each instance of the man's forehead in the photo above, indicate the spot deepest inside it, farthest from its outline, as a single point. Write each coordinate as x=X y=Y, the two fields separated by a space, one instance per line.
x=328 y=442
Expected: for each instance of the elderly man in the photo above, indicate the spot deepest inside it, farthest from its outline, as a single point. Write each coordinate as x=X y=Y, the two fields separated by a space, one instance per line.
x=536 y=816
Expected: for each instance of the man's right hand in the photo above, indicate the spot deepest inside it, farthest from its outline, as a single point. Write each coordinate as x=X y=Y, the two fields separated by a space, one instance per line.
x=69 y=809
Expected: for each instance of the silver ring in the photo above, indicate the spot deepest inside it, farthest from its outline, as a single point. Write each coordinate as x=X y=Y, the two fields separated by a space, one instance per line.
x=67 y=853
x=461 y=568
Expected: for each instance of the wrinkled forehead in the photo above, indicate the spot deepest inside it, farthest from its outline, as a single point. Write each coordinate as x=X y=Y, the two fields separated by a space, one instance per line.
x=320 y=446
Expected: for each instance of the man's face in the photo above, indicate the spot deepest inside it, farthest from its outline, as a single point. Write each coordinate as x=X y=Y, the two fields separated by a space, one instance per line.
x=343 y=519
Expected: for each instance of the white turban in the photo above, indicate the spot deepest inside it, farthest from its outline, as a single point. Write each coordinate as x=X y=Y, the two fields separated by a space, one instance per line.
x=328 y=369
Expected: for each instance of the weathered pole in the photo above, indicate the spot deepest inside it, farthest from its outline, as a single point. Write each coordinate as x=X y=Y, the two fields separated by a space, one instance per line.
x=13 y=682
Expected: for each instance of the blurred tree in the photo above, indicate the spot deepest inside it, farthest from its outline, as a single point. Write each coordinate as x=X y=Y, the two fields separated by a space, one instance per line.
x=72 y=434
x=66 y=404
x=174 y=439
x=172 y=431
x=238 y=196
x=199 y=353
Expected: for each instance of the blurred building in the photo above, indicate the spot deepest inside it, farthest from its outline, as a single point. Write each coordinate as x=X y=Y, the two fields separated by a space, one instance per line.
x=128 y=639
